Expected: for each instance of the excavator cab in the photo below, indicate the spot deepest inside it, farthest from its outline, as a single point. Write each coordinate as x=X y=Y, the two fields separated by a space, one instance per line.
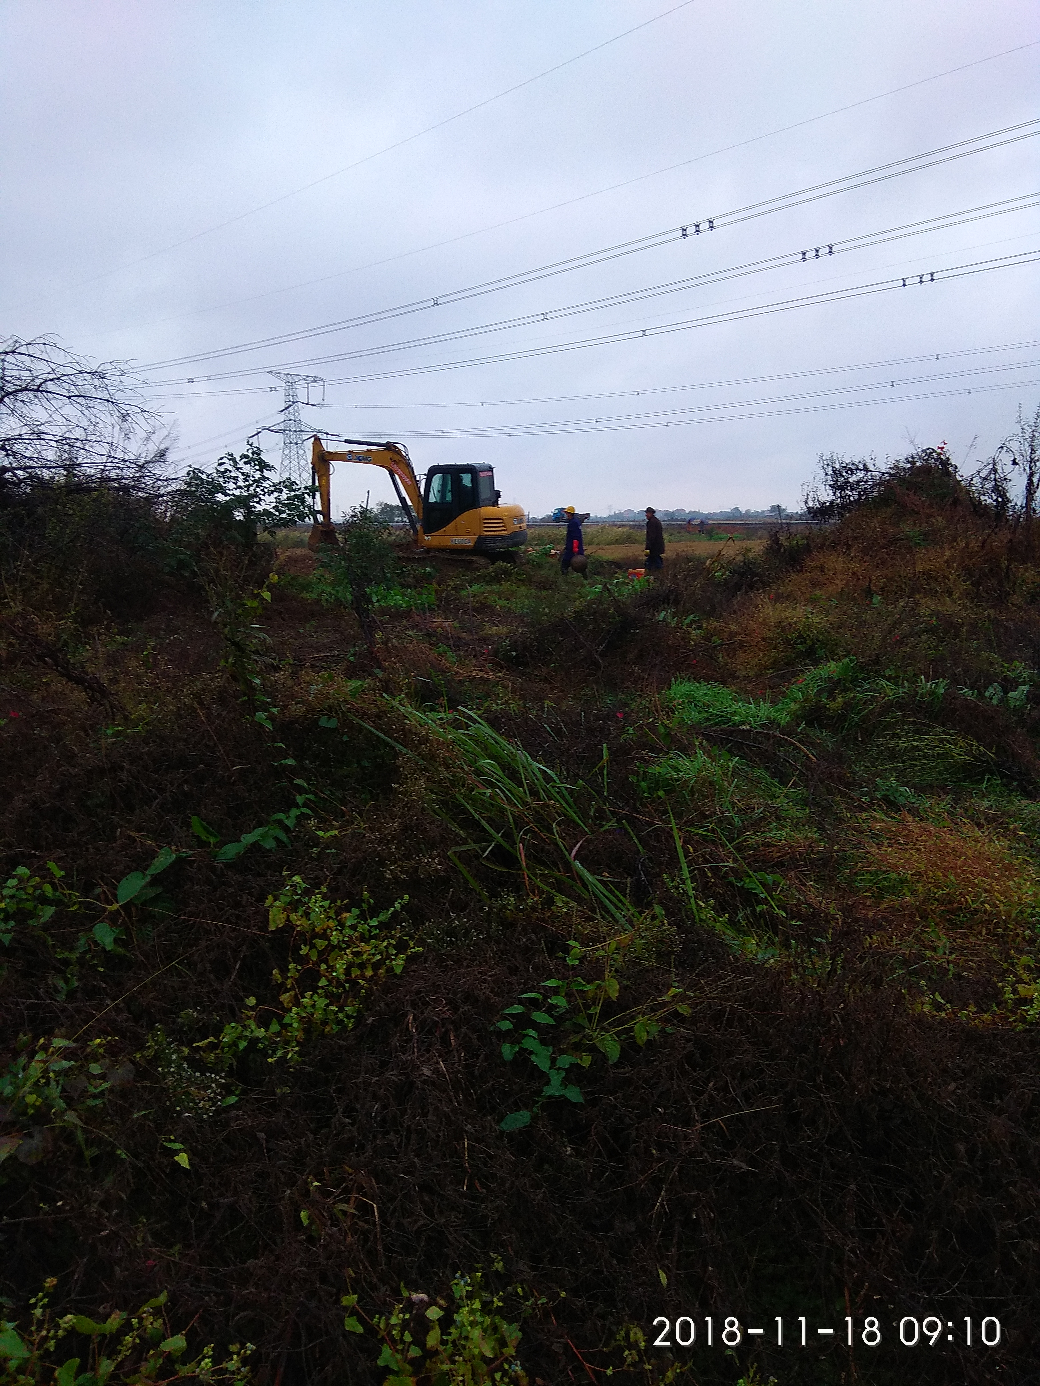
x=452 y=491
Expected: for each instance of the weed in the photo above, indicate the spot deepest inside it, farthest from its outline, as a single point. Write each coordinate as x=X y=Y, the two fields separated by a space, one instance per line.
x=30 y=901
x=46 y=1086
x=578 y=1011
x=336 y=956
x=128 y=1349
x=465 y=1343
x=195 y=1092
x=531 y=817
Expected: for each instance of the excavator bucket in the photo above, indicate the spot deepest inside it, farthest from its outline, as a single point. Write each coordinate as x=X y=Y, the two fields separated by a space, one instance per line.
x=321 y=534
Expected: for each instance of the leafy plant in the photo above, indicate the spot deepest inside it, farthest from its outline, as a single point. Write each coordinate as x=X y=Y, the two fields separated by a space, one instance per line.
x=390 y=597
x=124 y=1350
x=231 y=504
x=32 y=900
x=269 y=835
x=467 y=1343
x=336 y=956
x=578 y=1008
x=362 y=563
x=137 y=888
x=45 y=1087
x=195 y=1092
x=631 y=1343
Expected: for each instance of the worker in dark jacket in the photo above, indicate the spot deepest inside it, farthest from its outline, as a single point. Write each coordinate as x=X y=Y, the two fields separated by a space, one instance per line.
x=573 y=544
x=654 y=541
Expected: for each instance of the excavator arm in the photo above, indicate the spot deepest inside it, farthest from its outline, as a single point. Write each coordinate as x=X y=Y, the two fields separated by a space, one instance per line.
x=392 y=457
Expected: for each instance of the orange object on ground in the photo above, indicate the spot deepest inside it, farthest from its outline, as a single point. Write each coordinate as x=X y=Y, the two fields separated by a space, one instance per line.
x=637 y=572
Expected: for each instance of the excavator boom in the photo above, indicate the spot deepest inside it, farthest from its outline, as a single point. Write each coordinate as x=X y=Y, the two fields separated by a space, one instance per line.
x=390 y=456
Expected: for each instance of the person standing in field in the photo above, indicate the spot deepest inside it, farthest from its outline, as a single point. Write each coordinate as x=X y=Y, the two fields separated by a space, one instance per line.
x=654 y=541
x=574 y=543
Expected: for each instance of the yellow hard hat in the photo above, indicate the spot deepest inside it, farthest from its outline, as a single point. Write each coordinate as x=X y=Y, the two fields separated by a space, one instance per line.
x=568 y=510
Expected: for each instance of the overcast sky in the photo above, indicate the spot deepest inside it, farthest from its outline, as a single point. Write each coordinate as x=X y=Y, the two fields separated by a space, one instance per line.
x=187 y=177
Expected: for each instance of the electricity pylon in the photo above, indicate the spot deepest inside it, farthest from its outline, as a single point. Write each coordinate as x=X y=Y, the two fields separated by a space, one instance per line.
x=295 y=464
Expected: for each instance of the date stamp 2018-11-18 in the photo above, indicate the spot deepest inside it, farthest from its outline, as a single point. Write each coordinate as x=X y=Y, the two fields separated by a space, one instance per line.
x=688 y=1331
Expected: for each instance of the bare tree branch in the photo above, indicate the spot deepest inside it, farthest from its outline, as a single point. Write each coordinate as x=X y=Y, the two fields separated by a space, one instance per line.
x=63 y=415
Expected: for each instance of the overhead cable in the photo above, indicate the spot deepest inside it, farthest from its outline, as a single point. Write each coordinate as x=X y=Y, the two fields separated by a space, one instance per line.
x=790 y=258
x=600 y=192
x=690 y=230
x=554 y=426
x=679 y=422
x=638 y=390
x=936 y=276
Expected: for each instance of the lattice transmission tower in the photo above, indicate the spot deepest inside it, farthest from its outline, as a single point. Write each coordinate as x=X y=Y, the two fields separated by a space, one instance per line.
x=295 y=462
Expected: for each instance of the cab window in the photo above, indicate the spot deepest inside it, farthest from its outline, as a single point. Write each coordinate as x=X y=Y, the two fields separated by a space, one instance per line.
x=440 y=489
x=486 y=486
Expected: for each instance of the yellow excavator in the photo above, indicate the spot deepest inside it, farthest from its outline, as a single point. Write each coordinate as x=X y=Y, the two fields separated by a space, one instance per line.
x=456 y=510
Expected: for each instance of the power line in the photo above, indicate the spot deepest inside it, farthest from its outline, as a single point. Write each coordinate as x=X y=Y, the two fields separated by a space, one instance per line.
x=640 y=390
x=554 y=426
x=937 y=276
x=775 y=377
x=196 y=449
x=600 y=192
x=387 y=149
x=689 y=231
x=789 y=258
x=605 y=427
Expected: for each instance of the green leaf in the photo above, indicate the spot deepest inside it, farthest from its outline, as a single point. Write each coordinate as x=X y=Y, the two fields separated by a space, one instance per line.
x=66 y=1374
x=434 y=1313
x=165 y=858
x=231 y=851
x=663 y=1277
x=610 y=1046
x=515 y=1121
x=573 y=1094
x=541 y=1018
x=182 y=1159
x=176 y=1344
x=509 y=1051
x=351 y=1325
x=513 y=1010
x=105 y=934
x=11 y=1346
x=328 y=722
x=82 y=1324
x=505 y=1025
x=129 y=886
x=640 y=1032
x=305 y=1217
x=203 y=831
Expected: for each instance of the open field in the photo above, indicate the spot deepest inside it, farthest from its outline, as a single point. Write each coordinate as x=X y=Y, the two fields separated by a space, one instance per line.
x=393 y=935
